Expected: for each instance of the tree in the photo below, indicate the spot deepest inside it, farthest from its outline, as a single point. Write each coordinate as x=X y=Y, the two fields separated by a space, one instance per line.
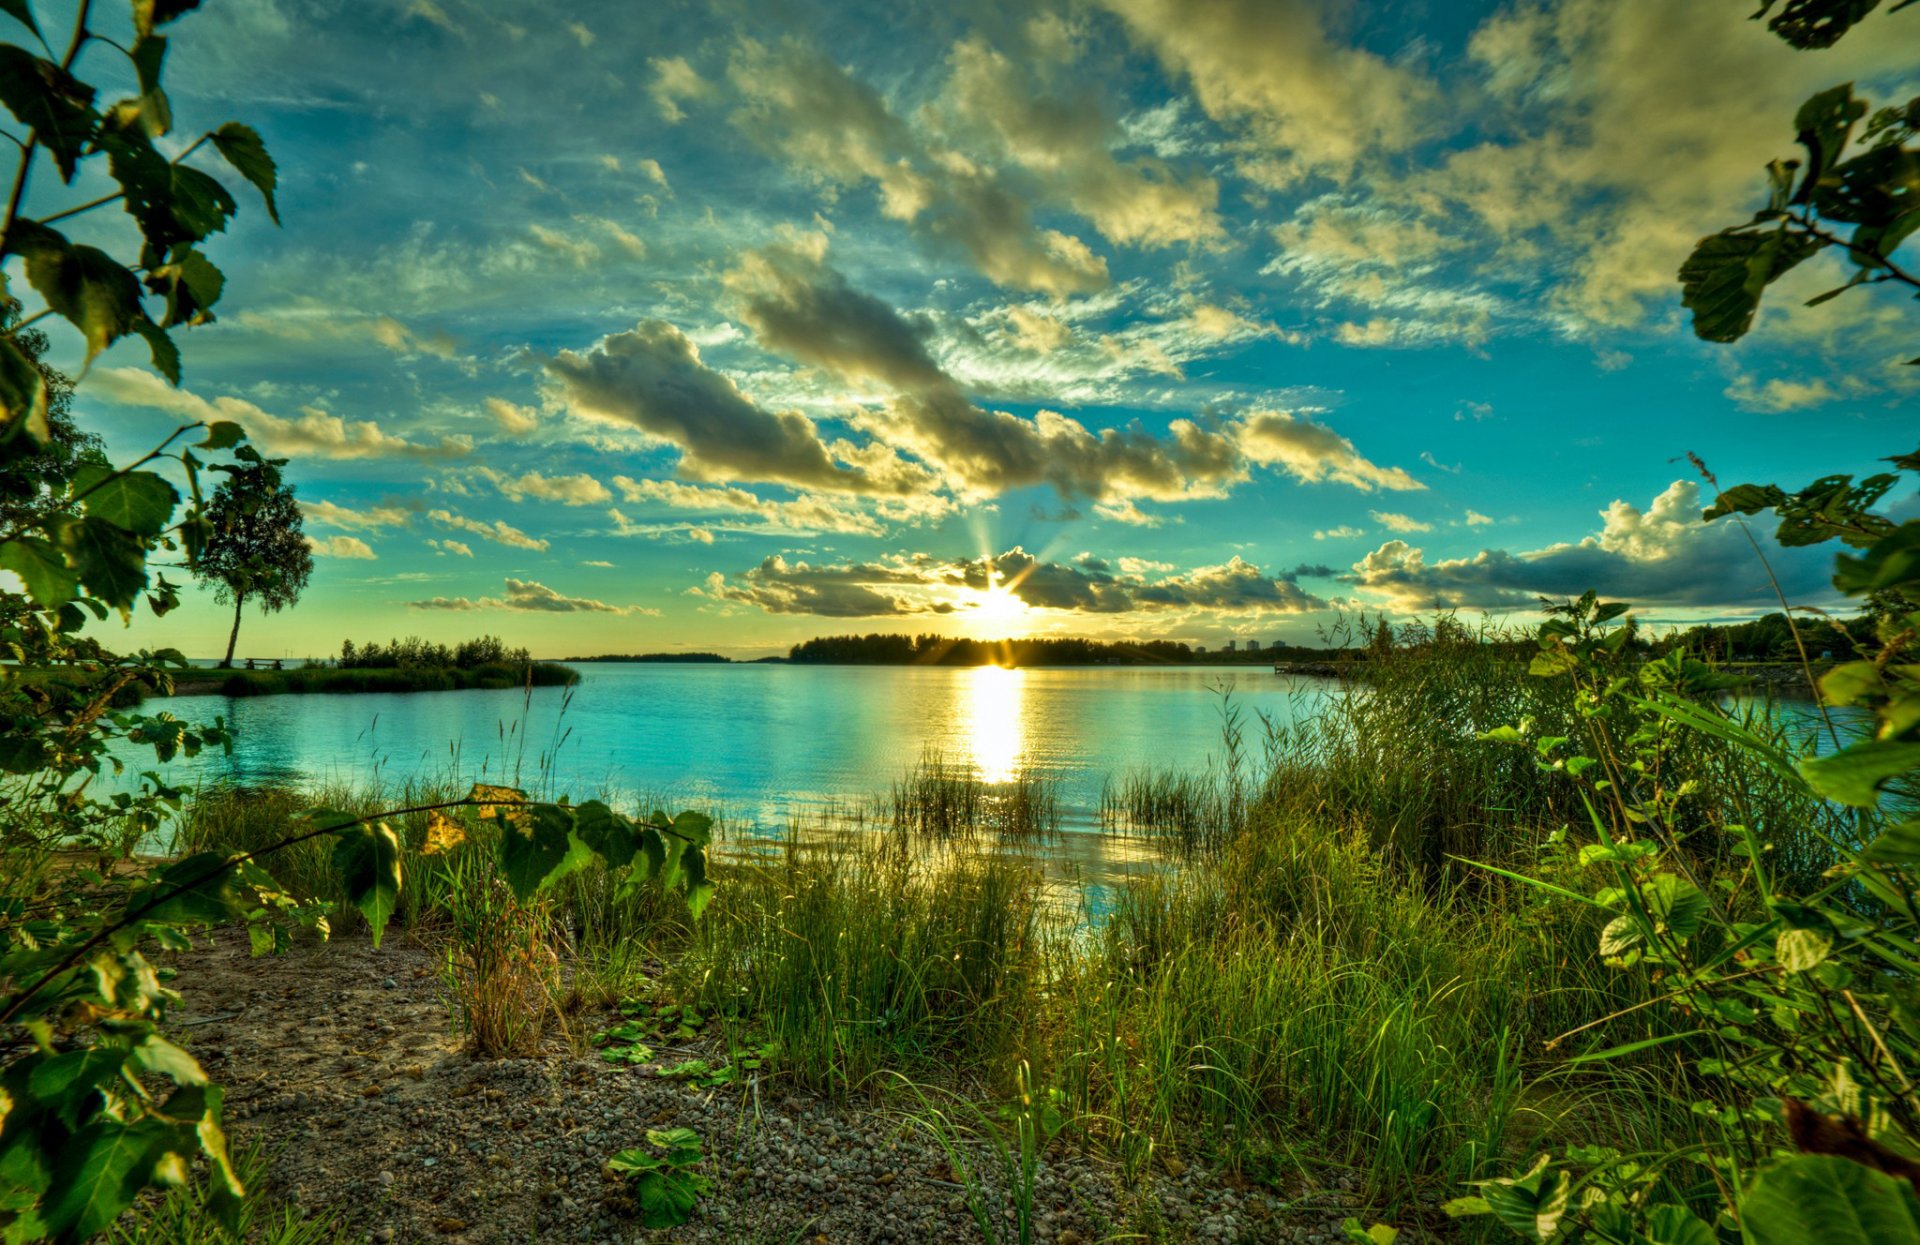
x=34 y=484
x=256 y=549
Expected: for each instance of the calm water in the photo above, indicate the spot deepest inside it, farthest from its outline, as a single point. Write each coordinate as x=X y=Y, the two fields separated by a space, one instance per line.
x=762 y=744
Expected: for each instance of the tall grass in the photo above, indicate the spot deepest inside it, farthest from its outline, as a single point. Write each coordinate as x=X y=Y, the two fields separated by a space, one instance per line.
x=942 y=800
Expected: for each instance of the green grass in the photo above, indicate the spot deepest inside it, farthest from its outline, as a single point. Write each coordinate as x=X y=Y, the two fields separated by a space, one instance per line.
x=183 y=1217
x=941 y=799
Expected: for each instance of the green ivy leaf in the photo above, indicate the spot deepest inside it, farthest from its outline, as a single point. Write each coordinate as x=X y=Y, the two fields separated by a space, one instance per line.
x=1798 y=950
x=367 y=858
x=243 y=149
x=223 y=435
x=105 y=1165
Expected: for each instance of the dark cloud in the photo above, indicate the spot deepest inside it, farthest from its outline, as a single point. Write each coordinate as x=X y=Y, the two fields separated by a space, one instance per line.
x=923 y=585
x=651 y=378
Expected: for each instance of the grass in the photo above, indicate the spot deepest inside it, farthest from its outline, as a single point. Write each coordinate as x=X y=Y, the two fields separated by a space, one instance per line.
x=183 y=1216
x=1315 y=982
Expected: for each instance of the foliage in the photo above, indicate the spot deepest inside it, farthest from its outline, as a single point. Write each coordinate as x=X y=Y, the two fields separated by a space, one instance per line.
x=255 y=547
x=666 y=1184
x=487 y=650
x=35 y=482
x=184 y=1217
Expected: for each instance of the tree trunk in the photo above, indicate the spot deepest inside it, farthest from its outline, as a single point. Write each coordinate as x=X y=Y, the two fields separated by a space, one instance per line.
x=233 y=638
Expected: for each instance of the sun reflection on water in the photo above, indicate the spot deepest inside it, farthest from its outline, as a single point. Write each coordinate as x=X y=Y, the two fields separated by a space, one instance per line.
x=994 y=723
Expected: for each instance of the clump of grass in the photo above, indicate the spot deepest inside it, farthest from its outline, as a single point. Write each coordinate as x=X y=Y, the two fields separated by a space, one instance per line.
x=944 y=800
x=499 y=967
x=864 y=958
x=1189 y=811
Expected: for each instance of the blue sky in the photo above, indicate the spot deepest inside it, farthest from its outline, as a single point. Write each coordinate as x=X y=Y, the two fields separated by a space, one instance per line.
x=607 y=327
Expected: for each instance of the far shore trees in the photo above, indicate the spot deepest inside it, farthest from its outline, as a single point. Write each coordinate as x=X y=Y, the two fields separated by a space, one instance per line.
x=256 y=549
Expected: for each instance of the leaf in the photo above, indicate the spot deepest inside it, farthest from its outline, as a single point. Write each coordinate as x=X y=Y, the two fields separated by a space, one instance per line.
x=609 y=834
x=1854 y=774
x=139 y=501
x=1378 y=1234
x=1820 y=1197
x=534 y=843
x=1826 y=123
x=23 y=396
x=105 y=1166
x=150 y=13
x=1676 y=1225
x=1798 y=950
x=89 y=287
x=1808 y=24
x=210 y=892
x=1891 y=562
x=1721 y=282
x=698 y=890
x=41 y=568
x=55 y=104
x=492 y=799
x=166 y=355
x=223 y=434
x=367 y=858
x=243 y=149
x=444 y=833
x=1462 y=1207
x=200 y=205
x=110 y=560
x=1896 y=845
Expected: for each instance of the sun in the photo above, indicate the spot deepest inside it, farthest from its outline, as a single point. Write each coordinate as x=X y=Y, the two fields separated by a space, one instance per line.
x=995 y=606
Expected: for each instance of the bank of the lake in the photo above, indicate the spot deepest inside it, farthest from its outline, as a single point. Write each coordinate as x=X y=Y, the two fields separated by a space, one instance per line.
x=314 y=680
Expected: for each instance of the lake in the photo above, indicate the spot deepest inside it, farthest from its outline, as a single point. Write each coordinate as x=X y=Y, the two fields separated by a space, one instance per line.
x=763 y=745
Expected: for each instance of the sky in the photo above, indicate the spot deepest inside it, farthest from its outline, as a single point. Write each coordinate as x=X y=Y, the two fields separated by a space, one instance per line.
x=620 y=328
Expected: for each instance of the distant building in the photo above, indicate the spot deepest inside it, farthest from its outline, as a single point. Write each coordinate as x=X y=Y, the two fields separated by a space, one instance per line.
x=1232 y=645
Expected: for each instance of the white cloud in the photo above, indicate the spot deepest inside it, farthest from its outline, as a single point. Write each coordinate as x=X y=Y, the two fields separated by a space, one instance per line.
x=351 y=547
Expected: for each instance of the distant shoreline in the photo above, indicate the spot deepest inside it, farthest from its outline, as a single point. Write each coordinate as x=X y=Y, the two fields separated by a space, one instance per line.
x=309 y=680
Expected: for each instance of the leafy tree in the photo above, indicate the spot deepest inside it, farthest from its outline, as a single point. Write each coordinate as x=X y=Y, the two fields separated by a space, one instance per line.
x=255 y=547
x=35 y=484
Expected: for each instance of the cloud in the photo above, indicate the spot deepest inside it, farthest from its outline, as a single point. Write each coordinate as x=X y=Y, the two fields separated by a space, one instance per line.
x=573 y=490
x=341 y=547
x=651 y=378
x=1661 y=556
x=920 y=584
x=1476 y=519
x=824 y=123
x=514 y=420
x=1345 y=531
x=799 y=305
x=805 y=515
x=1312 y=452
x=1309 y=103
x=1779 y=394
x=499 y=531
x=527 y=596
x=316 y=433
x=674 y=81
x=356 y=519
x=1399 y=522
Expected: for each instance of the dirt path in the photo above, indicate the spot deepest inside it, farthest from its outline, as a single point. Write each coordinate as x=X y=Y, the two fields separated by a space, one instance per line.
x=343 y=1059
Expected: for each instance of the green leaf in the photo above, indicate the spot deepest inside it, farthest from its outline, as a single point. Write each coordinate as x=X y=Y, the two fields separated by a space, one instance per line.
x=535 y=840
x=166 y=355
x=607 y=833
x=211 y=893
x=367 y=858
x=1826 y=124
x=1896 y=845
x=87 y=286
x=1676 y=1225
x=1721 y=282
x=105 y=1165
x=56 y=105
x=1820 y=1197
x=1808 y=24
x=223 y=435
x=110 y=560
x=139 y=501
x=42 y=568
x=23 y=396
x=248 y=155
x=1854 y=774
x=1891 y=562
x=200 y=204
x=1798 y=950
x=698 y=890
x=1463 y=1207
